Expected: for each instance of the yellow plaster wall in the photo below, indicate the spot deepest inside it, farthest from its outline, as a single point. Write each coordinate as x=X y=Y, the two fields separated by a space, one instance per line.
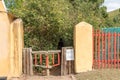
x=2 y=8
x=4 y=44
x=11 y=44
x=83 y=47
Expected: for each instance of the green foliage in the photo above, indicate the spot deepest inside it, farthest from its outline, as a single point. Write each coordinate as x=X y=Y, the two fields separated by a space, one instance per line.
x=115 y=17
x=91 y=11
x=112 y=14
x=46 y=21
x=14 y=5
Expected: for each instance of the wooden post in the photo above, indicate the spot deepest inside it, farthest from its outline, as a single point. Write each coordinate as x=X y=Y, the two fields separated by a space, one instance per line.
x=62 y=62
x=27 y=57
x=27 y=61
x=67 y=67
x=31 y=62
x=24 y=61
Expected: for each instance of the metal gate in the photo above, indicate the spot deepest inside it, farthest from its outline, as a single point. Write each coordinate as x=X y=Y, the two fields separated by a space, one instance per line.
x=106 y=50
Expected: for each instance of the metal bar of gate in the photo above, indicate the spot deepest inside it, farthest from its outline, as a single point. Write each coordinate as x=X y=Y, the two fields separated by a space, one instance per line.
x=93 y=36
x=98 y=49
x=105 y=48
x=109 y=50
x=102 y=50
x=114 y=50
x=118 y=49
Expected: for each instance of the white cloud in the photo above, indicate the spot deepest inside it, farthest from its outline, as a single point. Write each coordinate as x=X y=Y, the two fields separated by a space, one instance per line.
x=112 y=4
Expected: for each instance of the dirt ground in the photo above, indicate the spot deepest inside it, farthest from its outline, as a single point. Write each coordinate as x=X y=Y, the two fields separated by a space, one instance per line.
x=70 y=77
x=102 y=74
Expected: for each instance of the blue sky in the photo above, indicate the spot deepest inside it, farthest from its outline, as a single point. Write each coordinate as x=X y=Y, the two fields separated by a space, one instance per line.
x=112 y=4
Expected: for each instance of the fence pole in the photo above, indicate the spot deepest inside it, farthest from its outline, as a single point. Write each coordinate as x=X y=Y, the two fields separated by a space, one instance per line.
x=114 y=50
x=118 y=50
x=67 y=66
x=109 y=46
x=31 y=62
x=24 y=61
x=47 y=65
x=93 y=47
x=105 y=49
x=98 y=49
x=102 y=50
x=27 y=61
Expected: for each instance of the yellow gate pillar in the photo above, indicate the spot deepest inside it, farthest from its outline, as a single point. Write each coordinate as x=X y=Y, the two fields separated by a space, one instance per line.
x=17 y=43
x=83 y=47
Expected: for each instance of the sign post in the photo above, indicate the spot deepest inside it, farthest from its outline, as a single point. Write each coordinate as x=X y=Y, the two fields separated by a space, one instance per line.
x=67 y=61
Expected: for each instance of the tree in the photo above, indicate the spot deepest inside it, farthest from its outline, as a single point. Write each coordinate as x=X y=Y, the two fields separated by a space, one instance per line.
x=13 y=5
x=46 y=21
x=91 y=11
x=116 y=20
